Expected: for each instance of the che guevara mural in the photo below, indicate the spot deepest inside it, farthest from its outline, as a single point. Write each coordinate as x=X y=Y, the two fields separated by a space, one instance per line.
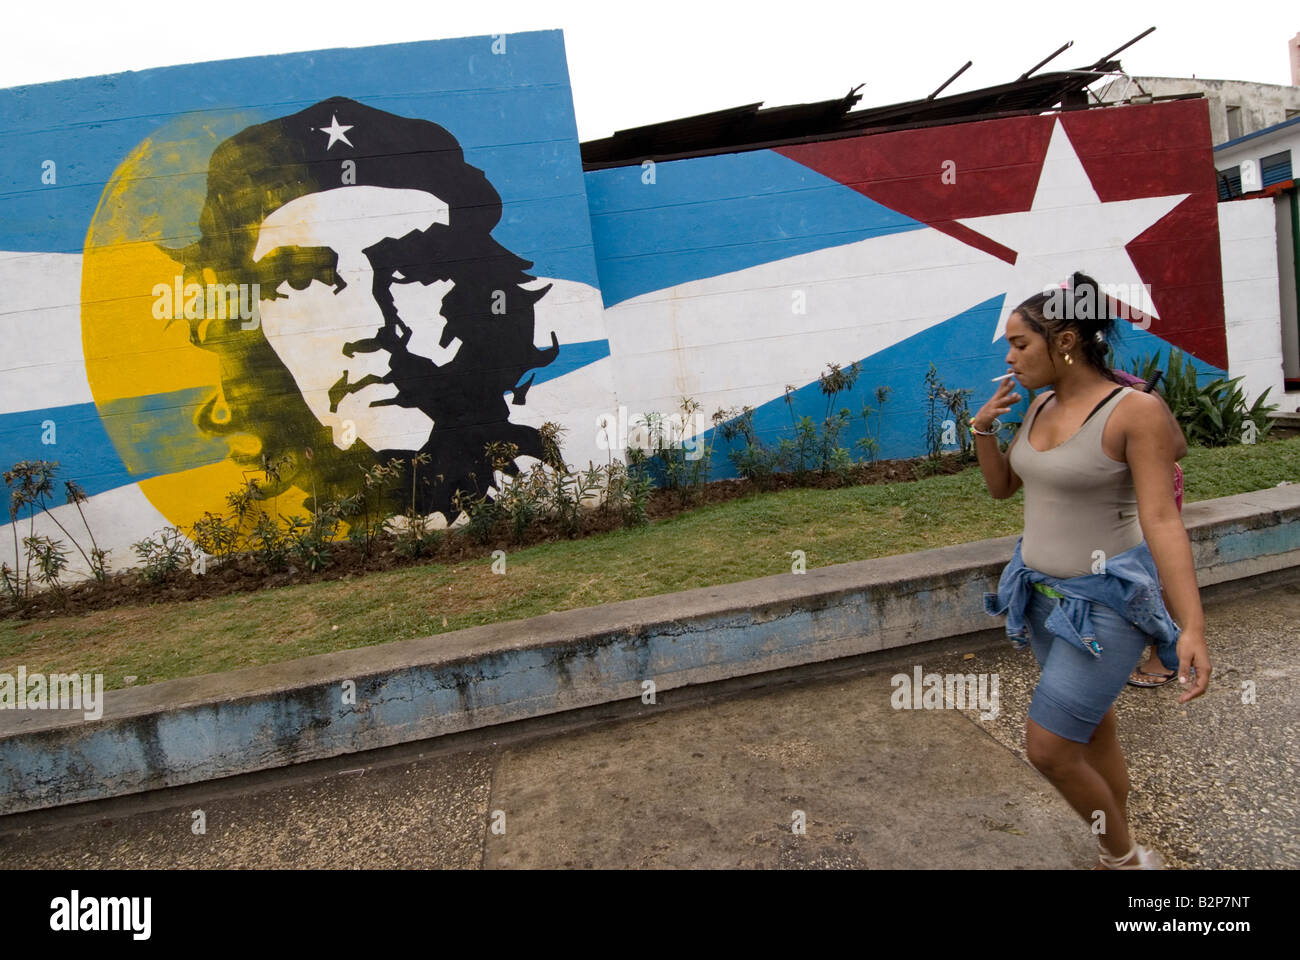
x=389 y=322
x=349 y=257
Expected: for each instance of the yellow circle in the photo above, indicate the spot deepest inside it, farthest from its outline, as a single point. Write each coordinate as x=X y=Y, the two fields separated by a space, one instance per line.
x=147 y=379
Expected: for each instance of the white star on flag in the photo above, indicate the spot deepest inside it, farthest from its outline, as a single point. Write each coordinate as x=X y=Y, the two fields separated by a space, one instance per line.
x=336 y=132
x=1069 y=228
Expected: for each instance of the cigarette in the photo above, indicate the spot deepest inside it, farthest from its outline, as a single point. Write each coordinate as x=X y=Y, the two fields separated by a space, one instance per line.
x=1004 y=376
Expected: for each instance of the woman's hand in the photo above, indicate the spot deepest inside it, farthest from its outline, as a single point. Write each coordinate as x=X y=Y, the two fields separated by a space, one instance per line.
x=998 y=404
x=1193 y=654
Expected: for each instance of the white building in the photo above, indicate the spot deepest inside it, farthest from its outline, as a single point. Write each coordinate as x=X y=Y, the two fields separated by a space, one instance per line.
x=1257 y=185
x=1237 y=107
x=1255 y=133
x=1258 y=160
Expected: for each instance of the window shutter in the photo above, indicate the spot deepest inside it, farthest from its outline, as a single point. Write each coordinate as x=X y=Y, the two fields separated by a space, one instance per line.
x=1277 y=168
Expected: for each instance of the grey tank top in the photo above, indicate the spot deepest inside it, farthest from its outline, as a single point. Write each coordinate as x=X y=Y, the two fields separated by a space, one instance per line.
x=1077 y=499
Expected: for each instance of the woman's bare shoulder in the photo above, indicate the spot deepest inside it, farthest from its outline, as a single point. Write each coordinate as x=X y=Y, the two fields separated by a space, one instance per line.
x=1139 y=402
x=1141 y=412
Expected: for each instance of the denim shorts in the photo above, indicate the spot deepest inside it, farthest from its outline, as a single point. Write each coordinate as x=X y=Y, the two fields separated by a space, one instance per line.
x=1076 y=688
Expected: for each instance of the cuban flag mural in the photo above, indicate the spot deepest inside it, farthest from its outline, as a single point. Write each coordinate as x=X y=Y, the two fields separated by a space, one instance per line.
x=345 y=258
x=731 y=278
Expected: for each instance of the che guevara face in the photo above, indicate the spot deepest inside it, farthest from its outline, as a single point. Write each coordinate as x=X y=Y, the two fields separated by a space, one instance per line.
x=348 y=293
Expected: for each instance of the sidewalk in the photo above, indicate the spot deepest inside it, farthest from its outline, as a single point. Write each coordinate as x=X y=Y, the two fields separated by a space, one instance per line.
x=715 y=782
x=331 y=705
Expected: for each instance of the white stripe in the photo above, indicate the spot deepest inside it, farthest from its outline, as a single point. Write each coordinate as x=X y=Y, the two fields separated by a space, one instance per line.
x=735 y=339
x=578 y=398
x=118 y=518
x=42 y=364
x=572 y=309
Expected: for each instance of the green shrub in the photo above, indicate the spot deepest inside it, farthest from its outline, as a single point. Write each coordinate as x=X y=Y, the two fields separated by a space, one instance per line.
x=637 y=487
x=871 y=445
x=941 y=400
x=162 y=556
x=30 y=482
x=50 y=558
x=680 y=469
x=215 y=535
x=483 y=514
x=270 y=543
x=755 y=461
x=1214 y=415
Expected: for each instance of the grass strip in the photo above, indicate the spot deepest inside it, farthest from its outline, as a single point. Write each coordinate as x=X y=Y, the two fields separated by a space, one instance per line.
x=721 y=543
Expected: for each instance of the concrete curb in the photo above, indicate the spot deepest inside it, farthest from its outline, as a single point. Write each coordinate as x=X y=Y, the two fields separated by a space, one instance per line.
x=202 y=728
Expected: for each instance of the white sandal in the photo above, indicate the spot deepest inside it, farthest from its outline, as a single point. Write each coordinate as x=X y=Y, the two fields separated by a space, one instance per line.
x=1147 y=859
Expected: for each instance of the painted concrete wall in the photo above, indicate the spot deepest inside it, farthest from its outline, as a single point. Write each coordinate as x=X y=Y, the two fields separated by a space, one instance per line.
x=1251 y=301
x=729 y=277
x=434 y=270
x=345 y=256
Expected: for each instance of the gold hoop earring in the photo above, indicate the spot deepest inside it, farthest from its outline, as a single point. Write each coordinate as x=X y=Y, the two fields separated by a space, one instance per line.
x=1067 y=358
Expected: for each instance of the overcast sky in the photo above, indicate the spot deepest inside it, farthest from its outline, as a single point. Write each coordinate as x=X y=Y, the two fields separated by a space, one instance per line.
x=632 y=63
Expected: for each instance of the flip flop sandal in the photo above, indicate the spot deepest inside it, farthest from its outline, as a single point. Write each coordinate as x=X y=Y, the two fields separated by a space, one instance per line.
x=1160 y=681
x=1139 y=858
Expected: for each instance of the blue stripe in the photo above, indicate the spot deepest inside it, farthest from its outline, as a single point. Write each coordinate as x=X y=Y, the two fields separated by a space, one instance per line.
x=963 y=358
x=162 y=439
x=572 y=356
x=713 y=215
x=512 y=113
x=82 y=447
x=162 y=436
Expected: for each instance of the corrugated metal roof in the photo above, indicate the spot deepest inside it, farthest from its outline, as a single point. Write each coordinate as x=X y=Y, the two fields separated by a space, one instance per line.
x=751 y=126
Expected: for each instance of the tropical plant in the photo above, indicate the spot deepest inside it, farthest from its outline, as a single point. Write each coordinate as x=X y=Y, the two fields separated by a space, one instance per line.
x=162 y=556
x=215 y=535
x=482 y=511
x=630 y=486
x=1213 y=415
x=755 y=460
x=678 y=465
x=270 y=543
x=830 y=455
x=414 y=537
x=373 y=513
x=871 y=445
x=30 y=483
x=50 y=557
x=953 y=402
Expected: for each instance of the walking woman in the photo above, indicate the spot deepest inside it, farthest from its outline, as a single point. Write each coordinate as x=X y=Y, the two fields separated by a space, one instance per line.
x=1102 y=534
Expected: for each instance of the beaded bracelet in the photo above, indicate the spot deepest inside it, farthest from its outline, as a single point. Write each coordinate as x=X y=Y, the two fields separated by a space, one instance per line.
x=996 y=424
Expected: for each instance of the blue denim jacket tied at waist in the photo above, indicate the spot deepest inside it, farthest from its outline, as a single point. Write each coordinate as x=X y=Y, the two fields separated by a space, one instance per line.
x=1130 y=586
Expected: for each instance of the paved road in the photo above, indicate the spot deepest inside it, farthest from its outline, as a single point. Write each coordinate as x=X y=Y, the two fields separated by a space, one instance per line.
x=714 y=779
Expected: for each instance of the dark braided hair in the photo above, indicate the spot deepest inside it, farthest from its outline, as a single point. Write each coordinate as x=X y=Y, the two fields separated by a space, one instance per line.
x=1080 y=306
